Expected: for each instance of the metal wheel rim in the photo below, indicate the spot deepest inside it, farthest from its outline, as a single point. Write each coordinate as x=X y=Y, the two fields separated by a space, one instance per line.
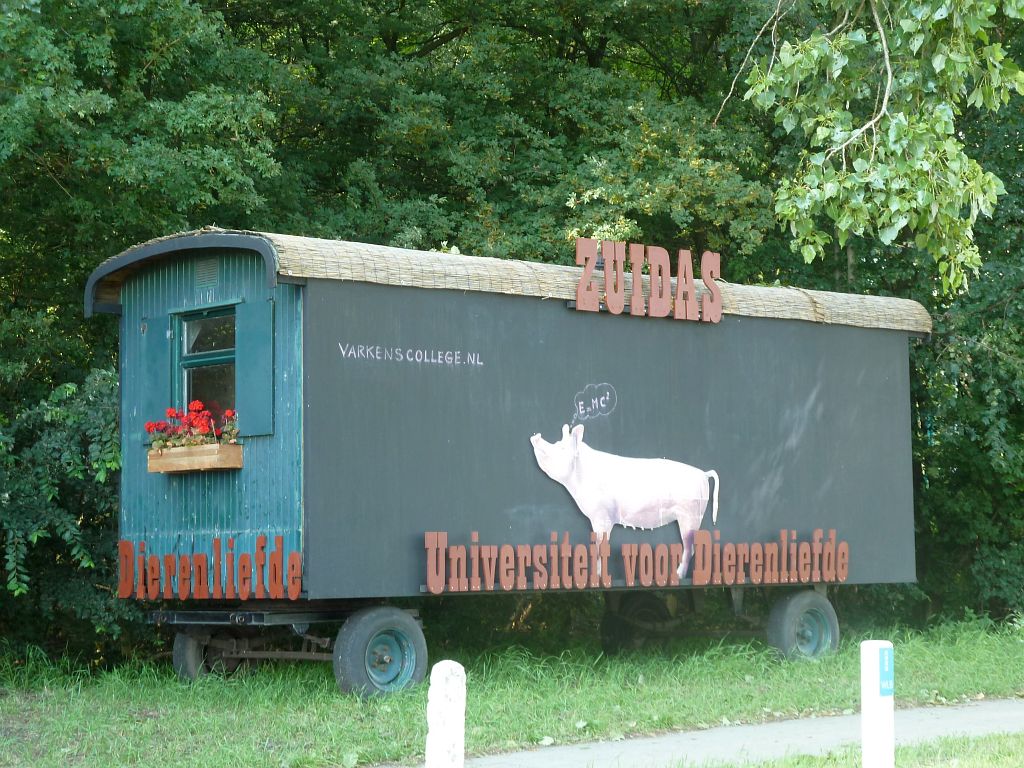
x=390 y=660
x=813 y=633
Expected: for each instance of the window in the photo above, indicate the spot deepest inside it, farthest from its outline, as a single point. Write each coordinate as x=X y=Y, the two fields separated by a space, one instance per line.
x=207 y=359
x=224 y=356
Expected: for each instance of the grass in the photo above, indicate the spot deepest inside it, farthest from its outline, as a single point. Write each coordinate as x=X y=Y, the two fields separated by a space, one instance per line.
x=279 y=714
x=1001 y=751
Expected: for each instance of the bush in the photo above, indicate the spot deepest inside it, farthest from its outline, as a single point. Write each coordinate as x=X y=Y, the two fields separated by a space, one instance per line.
x=59 y=463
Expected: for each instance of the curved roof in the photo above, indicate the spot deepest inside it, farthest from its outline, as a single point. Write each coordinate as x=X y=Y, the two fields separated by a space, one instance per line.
x=294 y=257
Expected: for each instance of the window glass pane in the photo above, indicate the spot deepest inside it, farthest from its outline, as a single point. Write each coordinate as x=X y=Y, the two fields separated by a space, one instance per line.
x=214 y=385
x=209 y=334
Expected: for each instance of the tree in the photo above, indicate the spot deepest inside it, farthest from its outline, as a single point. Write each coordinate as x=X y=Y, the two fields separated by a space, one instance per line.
x=971 y=386
x=506 y=128
x=118 y=122
x=875 y=89
x=59 y=464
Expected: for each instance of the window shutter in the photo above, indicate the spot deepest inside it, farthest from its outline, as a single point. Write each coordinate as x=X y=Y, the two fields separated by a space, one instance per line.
x=254 y=367
x=153 y=373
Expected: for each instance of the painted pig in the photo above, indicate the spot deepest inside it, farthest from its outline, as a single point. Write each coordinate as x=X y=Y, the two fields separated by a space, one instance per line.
x=638 y=493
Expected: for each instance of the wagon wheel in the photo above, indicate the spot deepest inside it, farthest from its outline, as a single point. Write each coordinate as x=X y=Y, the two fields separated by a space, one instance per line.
x=624 y=629
x=379 y=650
x=803 y=625
x=188 y=656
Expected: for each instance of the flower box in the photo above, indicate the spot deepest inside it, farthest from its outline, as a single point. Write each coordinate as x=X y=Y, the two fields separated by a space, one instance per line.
x=195 y=458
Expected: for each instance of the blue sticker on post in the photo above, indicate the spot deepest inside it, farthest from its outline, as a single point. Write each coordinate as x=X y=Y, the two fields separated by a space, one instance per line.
x=886 y=672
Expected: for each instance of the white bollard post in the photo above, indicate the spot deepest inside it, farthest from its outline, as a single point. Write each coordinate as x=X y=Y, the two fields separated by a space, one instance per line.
x=446 y=716
x=877 y=704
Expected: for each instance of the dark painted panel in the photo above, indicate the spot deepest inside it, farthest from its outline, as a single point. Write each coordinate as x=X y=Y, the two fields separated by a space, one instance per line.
x=808 y=426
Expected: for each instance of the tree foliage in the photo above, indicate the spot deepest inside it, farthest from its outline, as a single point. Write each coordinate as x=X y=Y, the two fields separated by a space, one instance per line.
x=971 y=424
x=875 y=90
x=118 y=122
x=59 y=463
x=504 y=128
x=971 y=525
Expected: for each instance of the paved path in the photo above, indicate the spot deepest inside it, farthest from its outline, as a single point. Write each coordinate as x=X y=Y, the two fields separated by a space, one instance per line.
x=743 y=743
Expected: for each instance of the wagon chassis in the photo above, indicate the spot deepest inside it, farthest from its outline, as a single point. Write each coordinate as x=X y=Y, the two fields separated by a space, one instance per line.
x=200 y=626
x=377 y=649
x=248 y=618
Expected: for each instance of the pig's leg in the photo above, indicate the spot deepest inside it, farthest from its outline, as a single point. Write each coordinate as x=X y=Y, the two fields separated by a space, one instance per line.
x=688 y=520
x=686 y=534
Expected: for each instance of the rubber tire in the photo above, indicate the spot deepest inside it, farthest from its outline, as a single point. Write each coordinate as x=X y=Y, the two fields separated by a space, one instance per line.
x=368 y=629
x=189 y=656
x=803 y=625
x=618 y=634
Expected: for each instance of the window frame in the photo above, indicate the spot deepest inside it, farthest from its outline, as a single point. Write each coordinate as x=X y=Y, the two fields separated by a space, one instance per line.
x=183 y=362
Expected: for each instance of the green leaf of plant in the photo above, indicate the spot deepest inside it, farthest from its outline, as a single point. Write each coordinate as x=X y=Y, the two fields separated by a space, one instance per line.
x=888 y=234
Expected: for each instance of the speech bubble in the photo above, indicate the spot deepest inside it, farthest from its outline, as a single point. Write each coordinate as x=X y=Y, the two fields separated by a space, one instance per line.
x=595 y=400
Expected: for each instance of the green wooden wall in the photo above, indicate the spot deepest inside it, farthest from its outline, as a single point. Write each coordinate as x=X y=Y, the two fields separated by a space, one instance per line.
x=183 y=513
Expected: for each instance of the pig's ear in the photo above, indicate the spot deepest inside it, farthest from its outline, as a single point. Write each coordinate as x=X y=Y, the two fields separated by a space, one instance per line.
x=577 y=434
x=565 y=431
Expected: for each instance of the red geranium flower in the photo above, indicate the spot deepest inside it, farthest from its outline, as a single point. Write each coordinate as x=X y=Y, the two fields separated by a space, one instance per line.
x=196 y=426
